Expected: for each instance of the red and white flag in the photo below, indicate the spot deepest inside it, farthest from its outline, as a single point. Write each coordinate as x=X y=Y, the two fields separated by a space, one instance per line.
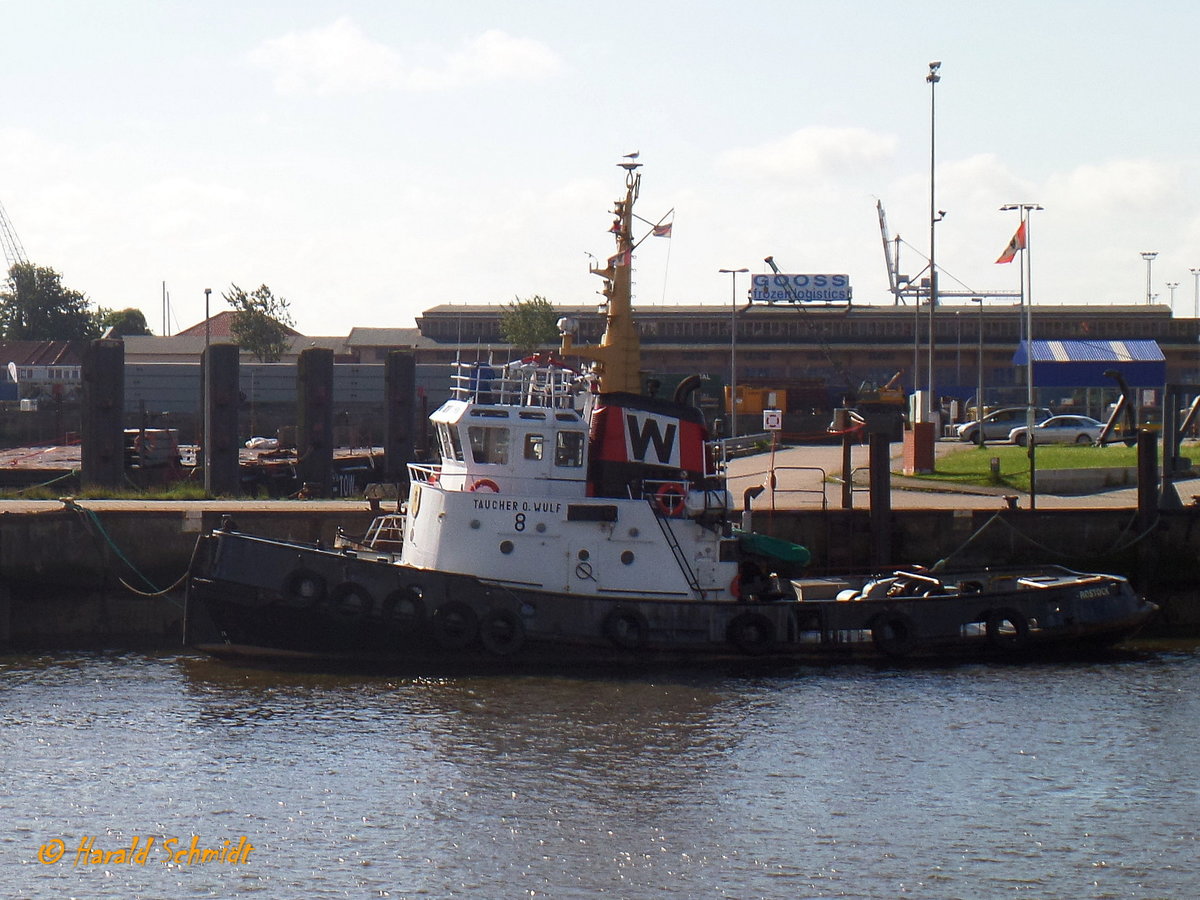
x=1017 y=243
x=663 y=230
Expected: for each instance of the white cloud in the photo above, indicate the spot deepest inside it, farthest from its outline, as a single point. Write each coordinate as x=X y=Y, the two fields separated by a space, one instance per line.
x=492 y=56
x=332 y=60
x=1121 y=184
x=811 y=153
x=340 y=59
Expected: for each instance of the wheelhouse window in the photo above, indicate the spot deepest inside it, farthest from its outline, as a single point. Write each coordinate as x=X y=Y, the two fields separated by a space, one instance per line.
x=568 y=448
x=489 y=445
x=534 y=446
x=448 y=440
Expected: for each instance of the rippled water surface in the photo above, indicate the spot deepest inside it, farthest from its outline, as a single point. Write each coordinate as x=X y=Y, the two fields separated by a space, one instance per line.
x=1049 y=781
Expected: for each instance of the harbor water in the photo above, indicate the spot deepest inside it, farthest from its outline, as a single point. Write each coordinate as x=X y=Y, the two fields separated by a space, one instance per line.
x=1072 y=780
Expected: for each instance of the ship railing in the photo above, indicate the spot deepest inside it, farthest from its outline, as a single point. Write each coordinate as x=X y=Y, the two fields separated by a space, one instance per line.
x=385 y=532
x=424 y=473
x=726 y=449
x=515 y=384
x=784 y=480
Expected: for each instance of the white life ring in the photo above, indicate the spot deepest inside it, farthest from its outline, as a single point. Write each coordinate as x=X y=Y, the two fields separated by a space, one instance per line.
x=670 y=499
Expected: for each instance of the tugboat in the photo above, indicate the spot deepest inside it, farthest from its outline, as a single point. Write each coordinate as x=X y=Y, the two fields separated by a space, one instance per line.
x=576 y=520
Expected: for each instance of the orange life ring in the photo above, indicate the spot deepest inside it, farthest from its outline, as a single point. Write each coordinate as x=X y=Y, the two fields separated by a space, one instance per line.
x=669 y=499
x=485 y=484
x=735 y=586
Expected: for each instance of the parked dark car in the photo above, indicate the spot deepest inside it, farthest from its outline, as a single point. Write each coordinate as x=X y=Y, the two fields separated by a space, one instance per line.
x=998 y=424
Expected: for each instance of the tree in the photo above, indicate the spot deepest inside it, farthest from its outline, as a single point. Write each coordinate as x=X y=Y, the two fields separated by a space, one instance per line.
x=34 y=306
x=262 y=323
x=122 y=322
x=529 y=324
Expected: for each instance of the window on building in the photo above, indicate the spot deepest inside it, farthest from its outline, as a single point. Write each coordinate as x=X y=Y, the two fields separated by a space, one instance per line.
x=534 y=446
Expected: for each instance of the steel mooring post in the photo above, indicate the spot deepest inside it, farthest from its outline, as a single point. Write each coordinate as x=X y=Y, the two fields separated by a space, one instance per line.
x=102 y=460
x=841 y=424
x=1147 y=501
x=400 y=396
x=314 y=419
x=880 y=470
x=221 y=401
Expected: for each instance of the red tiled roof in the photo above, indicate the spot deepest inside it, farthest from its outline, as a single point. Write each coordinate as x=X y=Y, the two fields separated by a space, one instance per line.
x=221 y=326
x=41 y=353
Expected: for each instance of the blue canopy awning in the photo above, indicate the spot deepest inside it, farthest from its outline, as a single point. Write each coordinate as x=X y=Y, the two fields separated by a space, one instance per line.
x=1084 y=363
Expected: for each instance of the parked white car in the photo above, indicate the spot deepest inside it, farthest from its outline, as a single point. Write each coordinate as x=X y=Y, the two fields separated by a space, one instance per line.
x=1060 y=430
x=998 y=424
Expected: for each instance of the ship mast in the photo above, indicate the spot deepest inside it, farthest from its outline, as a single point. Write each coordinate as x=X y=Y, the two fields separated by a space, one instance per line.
x=618 y=356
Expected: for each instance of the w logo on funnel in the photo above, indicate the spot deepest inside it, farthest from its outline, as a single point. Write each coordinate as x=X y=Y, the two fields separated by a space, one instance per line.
x=644 y=431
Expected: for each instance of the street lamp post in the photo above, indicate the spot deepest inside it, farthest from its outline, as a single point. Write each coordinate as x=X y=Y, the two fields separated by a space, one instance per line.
x=979 y=375
x=1196 y=276
x=1171 y=285
x=1149 y=256
x=934 y=217
x=733 y=274
x=202 y=456
x=1026 y=276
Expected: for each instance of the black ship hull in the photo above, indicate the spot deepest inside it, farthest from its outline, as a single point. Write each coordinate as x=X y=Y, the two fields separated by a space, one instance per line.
x=298 y=604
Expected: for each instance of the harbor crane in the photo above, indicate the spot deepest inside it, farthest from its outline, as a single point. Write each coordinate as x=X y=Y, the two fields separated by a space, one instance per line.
x=13 y=251
x=903 y=286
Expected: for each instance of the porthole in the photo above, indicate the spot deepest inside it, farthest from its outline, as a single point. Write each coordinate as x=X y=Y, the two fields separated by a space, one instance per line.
x=506 y=547
x=583 y=554
x=627 y=557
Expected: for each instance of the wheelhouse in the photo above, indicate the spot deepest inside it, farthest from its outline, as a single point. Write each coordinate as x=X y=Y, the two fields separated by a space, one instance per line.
x=513 y=429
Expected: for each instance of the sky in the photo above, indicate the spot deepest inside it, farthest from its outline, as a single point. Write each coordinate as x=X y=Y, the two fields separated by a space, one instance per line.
x=368 y=160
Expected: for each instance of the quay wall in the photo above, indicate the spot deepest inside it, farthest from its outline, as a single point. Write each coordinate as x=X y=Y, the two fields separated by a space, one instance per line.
x=83 y=578
x=91 y=579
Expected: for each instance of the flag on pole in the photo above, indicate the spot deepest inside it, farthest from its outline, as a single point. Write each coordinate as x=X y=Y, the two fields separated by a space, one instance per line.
x=663 y=230
x=1017 y=243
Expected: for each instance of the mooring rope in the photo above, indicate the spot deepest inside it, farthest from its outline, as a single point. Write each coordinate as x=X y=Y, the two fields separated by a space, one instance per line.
x=90 y=519
x=57 y=478
x=1117 y=547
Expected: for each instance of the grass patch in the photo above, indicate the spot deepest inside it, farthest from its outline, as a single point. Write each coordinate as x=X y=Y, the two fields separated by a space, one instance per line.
x=972 y=465
x=180 y=490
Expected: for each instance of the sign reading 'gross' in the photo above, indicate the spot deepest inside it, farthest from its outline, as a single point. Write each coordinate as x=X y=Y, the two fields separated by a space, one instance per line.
x=767 y=288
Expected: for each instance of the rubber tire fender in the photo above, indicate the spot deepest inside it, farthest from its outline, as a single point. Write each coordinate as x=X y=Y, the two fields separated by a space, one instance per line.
x=404 y=608
x=751 y=632
x=501 y=631
x=995 y=621
x=625 y=627
x=304 y=587
x=454 y=625
x=894 y=634
x=339 y=595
